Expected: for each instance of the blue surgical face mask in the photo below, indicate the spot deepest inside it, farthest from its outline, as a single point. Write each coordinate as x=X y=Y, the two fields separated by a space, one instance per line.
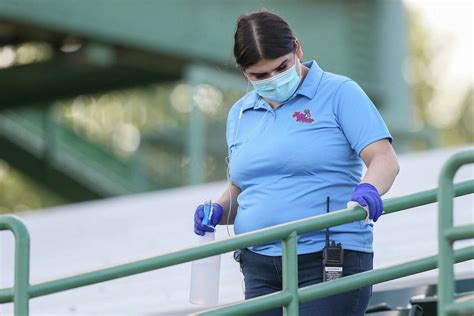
x=278 y=88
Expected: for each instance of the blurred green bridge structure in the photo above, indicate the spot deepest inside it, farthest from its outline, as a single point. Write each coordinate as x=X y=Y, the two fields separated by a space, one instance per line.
x=137 y=43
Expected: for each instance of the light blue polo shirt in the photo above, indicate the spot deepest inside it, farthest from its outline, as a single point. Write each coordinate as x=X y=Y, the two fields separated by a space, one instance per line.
x=288 y=160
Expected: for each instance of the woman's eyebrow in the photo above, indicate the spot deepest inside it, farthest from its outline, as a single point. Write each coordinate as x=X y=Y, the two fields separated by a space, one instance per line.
x=263 y=73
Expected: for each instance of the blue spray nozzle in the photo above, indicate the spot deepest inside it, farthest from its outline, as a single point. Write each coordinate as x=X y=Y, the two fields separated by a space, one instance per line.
x=207 y=213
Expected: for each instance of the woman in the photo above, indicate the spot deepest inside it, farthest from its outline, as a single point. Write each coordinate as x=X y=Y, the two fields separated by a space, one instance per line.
x=299 y=138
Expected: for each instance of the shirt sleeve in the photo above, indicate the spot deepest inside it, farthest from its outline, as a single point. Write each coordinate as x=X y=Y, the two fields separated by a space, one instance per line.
x=230 y=128
x=358 y=117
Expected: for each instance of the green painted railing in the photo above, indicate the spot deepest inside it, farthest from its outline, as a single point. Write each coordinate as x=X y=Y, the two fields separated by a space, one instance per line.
x=290 y=297
x=447 y=235
x=22 y=262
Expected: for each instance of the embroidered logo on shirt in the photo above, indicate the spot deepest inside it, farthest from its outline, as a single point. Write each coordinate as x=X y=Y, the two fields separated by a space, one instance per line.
x=304 y=117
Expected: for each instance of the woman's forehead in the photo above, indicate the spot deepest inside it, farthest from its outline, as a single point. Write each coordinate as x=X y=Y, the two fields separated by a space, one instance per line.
x=268 y=65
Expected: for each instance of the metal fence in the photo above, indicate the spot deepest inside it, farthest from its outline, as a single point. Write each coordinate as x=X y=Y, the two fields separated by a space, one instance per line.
x=291 y=296
x=447 y=235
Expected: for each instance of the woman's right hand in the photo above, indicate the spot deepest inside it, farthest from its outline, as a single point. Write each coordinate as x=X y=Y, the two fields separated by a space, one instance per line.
x=199 y=228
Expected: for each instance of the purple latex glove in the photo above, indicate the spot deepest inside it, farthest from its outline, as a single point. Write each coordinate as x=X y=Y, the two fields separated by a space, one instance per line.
x=216 y=217
x=367 y=195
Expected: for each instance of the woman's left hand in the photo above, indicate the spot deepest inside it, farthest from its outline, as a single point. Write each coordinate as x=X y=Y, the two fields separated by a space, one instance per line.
x=365 y=194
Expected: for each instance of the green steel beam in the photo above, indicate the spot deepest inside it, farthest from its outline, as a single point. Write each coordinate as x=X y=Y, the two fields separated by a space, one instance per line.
x=196 y=31
x=36 y=168
x=71 y=166
x=196 y=141
x=67 y=76
x=391 y=52
x=343 y=36
x=346 y=37
x=198 y=145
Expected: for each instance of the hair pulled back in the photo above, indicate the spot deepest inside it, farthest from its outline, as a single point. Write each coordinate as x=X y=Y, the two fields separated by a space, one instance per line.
x=261 y=35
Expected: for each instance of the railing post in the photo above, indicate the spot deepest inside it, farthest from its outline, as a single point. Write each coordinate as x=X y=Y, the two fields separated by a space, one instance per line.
x=290 y=273
x=22 y=263
x=445 y=221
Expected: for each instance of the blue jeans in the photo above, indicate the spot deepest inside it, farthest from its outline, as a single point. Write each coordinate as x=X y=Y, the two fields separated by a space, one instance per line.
x=262 y=275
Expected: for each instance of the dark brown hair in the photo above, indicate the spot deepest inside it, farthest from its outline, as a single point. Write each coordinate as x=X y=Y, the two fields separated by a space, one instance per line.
x=261 y=35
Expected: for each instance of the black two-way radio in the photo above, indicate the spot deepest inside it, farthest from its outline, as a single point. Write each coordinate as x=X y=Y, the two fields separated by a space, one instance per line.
x=333 y=256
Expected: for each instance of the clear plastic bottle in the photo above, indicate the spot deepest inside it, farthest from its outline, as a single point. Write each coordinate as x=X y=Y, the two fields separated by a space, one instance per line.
x=205 y=272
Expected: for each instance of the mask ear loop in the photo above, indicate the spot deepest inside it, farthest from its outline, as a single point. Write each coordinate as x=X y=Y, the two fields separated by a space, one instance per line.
x=227 y=160
x=229 y=189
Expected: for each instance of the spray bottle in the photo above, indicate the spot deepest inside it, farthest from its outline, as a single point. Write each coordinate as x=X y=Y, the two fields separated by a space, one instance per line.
x=205 y=272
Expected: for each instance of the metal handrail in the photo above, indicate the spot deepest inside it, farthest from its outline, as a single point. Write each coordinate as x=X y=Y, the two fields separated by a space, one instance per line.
x=22 y=262
x=289 y=297
x=344 y=284
x=448 y=234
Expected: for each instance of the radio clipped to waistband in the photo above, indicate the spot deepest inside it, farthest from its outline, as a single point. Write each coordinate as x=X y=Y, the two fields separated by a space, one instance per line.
x=333 y=256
